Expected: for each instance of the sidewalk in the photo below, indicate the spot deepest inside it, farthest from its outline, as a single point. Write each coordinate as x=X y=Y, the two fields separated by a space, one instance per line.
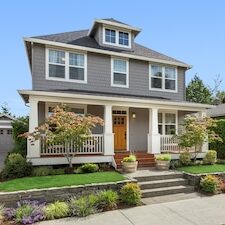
x=197 y=211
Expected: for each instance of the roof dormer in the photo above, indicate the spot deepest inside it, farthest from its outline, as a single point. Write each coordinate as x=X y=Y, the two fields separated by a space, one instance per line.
x=113 y=33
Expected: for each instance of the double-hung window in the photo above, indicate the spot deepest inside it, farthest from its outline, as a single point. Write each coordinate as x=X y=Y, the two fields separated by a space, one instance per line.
x=56 y=64
x=110 y=36
x=120 y=74
x=167 y=123
x=66 y=66
x=163 y=78
x=124 y=38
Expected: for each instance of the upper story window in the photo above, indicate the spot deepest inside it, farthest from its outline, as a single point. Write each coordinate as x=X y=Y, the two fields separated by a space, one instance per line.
x=163 y=78
x=1 y=131
x=66 y=66
x=110 y=36
x=116 y=37
x=120 y=73
x=167 y=123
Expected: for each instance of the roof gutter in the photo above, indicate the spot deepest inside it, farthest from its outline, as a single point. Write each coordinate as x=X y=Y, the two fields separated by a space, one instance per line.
x=106 y=52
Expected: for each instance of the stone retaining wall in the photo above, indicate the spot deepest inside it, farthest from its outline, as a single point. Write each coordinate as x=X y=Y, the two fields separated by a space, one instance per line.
x=58 y=193
x=194 y=179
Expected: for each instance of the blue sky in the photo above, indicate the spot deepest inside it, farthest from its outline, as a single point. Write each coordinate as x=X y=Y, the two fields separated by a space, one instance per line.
x=192 y=31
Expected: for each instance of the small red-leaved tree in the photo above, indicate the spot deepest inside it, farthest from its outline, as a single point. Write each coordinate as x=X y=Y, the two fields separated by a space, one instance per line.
x=65 y=128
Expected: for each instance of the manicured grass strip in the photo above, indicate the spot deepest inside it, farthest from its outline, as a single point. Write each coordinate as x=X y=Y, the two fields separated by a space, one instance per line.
x=59 y=181
x=203 y=168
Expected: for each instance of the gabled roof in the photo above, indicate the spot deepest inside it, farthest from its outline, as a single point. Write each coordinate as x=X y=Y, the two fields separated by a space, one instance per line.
x=2 y=115
x=218 y=111
x=81 y=38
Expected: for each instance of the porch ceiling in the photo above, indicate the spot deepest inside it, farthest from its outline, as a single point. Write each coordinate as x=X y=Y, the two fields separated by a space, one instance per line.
x=94 y=99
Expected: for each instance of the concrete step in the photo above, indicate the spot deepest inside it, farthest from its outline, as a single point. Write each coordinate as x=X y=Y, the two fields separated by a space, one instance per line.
x=162 y=183
x=166 y=191
x=159 y=176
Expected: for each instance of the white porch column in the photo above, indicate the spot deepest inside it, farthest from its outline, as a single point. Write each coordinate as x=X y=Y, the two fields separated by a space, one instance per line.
x=108 y=131
x=33 y=151
x=153 y=136
x=205 y=146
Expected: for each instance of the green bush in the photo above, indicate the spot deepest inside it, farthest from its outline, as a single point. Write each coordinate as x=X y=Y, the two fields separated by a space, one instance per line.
x=108 y=199
x=2 y=210
x=88 y=168
x=83 y=206
x=130 y=158
x=130 y=194
x=56 y=210
x=16 y=166
x=185 y=158
x=210 y=184
x=210 y=157
x=23 y=211
x=163 y=157
x=174 y=164
x=20 y=126
x=42 y=171
x=219 y=146
x=57 y=172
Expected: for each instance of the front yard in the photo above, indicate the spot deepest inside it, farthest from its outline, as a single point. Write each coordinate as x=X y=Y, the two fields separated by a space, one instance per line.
x=59 y=181
x=199 y=169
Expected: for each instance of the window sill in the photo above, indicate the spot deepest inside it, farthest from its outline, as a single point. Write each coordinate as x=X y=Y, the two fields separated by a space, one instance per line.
x=66 y=80
x=163 y=90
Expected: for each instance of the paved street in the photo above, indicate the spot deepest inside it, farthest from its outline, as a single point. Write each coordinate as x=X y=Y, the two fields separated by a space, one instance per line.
x=196 y=211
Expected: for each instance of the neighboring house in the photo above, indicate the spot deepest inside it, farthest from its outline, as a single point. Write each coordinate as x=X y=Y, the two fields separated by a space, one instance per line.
x=139 y=92
x=6 y=139
x=217 y=112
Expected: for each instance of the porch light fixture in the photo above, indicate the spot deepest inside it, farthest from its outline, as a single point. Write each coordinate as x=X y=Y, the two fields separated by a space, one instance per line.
x=133 y=115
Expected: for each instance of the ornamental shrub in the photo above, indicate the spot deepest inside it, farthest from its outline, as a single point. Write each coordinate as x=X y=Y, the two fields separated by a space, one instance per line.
x=108 y=199
x=130 y=158
x=210 y=157
x=83 y=206
x=185 y=158
x=2 y=209
x=42 y=171
x=163 y=157
x=130 y=194
x=88 y=168
x=217 y=145
x=56 y=210
x=210 y=184
x=16 y=166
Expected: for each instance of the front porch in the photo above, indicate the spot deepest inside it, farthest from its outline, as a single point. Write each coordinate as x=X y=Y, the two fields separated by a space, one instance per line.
x=128 y=127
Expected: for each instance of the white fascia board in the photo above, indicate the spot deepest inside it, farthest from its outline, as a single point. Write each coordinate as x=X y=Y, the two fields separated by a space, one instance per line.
x=101 y=100
x=106 y=52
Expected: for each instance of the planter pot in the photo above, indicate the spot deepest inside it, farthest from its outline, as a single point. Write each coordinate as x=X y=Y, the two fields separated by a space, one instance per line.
x=162 y=165
x=129 y=167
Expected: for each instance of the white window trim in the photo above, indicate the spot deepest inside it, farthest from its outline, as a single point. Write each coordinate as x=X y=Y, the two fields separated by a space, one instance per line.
x=163 y=112
x=54 y=104
x=163 y=79
x=66 y=79
x=112 y=73
x=117 y=37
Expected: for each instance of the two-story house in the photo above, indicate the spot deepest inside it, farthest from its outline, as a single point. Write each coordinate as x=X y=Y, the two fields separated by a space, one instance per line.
x=140 y=93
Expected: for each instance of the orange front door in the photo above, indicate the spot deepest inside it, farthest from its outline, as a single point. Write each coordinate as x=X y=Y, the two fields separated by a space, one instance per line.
x=120 y=132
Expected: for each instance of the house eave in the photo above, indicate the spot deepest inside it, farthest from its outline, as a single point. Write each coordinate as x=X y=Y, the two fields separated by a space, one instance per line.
x=146 y=103
x=106 y=52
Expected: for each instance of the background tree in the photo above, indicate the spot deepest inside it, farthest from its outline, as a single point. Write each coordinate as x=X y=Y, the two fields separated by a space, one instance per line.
x=66 y=128
x=198 y=92
x=5 y=109
x=197 y=131
x=219 y=98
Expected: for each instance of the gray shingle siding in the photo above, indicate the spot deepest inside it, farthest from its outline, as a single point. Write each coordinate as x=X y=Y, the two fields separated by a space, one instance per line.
x=99 y=77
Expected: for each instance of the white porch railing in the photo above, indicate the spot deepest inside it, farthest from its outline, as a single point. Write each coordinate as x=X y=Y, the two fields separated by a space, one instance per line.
x=93 y=145
x=169 y=143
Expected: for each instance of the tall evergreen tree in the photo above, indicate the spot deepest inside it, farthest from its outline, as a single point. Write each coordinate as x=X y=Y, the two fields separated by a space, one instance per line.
x=198 y=92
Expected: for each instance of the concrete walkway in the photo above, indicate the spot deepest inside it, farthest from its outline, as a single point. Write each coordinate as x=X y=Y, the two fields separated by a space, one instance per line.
x=197 y=211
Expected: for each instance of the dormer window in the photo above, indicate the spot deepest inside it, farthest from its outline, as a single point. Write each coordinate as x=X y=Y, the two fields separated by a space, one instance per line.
x=110 y=36
x=116 y=38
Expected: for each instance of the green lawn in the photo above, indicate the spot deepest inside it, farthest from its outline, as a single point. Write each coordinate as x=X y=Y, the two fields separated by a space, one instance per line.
x=59 y=181
x=203 y=168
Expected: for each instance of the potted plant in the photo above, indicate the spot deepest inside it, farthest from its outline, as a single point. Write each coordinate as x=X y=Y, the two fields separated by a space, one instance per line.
x=129 y=164
x=163 y=161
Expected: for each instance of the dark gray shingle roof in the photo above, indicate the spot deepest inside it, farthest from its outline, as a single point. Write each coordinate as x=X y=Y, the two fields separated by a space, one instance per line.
x=217 y=112
x=81 y=38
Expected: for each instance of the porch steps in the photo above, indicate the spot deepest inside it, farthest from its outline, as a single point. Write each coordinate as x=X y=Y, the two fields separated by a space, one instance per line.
x=144 y=159
x=163 y=184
